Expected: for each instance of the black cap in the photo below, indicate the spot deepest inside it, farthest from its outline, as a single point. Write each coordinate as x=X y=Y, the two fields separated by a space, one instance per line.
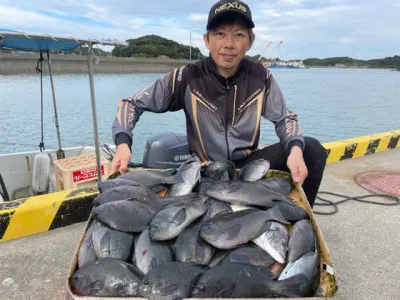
x=225 y=6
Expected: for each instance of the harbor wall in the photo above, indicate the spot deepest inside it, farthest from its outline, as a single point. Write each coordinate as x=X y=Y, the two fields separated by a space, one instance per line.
x=11 y=63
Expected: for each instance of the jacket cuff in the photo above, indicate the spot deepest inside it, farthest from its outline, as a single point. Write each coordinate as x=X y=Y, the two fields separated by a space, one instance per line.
x=123 y=138
x=292 y=144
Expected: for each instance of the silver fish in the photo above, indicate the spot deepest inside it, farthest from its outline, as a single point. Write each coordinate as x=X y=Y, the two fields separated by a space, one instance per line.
x=254 y=170
x=230 y=230
x=173 y=280
x=274 y=240
x=307 y=266
x=111 y=243
x=190 y=173
x=169 y=222
x=149 y=254
x=106 y=277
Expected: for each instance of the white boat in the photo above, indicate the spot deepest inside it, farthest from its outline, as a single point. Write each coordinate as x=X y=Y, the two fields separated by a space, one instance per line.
x=27 y=174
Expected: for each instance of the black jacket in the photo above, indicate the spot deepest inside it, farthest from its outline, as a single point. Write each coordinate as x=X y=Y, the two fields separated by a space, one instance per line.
x=222 y=115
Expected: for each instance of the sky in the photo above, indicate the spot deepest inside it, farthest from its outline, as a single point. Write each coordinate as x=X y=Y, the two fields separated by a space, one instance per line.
x=308 y=28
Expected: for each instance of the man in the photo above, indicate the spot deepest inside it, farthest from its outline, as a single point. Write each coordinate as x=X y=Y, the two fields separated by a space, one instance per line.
x=224 y=97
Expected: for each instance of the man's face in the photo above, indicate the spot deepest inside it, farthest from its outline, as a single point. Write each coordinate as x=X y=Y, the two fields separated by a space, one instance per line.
x=228 y=45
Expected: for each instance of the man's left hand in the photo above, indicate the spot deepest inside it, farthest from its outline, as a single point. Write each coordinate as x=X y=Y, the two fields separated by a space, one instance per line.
x=296 y=165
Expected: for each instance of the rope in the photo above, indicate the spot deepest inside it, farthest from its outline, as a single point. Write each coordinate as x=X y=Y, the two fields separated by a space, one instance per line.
x=39 y=70
x=356 y=198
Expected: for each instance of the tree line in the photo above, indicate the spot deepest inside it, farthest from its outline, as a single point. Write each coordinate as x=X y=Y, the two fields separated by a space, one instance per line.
x=152 y=46
x=386 y=63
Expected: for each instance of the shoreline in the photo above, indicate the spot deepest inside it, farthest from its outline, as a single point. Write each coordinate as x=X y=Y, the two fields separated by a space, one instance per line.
x=11 y=63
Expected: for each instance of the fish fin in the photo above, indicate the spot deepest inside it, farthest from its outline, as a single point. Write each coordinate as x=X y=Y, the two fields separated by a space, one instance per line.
x=199 y=252
x=179 y=217
x=239 y=258
x=276 y=215
x=174 y=179
x=168 y=290
x=229 y=288
x=232 y=232
x=153 y=263
x=233 y=187
x=290 y=287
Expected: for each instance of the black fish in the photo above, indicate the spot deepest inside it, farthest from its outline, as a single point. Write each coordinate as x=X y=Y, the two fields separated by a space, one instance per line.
x=113 y=183
x=111 y=243
x=149 y=254
x=221 y=171
x=244 y=192
x=231 y=229
x=128 y=216
x=249 y=255
x=302 y=240
x=190 y=174
x=106 y=277
x=86 y=251
x=191 y=248
x=124 y=193
x=151 y=179
x=173 y=280
x=254 y=170
x=277 y=184
x=170 y=221
x=244 y=281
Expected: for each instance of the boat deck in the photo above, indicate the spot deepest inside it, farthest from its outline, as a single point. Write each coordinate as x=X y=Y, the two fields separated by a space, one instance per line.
x=363 y=240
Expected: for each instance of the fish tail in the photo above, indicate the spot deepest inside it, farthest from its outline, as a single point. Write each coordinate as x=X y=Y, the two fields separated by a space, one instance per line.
x=290 y=287
x=174 y=179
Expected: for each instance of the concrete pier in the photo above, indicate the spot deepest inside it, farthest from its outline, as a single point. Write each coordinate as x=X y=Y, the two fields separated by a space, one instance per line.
x=363 y=240
x=14 y=64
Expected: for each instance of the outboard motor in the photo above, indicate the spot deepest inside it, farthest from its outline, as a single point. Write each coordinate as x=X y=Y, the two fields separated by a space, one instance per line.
x=166 y=150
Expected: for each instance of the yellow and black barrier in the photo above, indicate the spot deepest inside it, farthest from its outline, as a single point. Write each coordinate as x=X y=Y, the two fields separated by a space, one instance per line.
x=42 y=213
x=362 y=146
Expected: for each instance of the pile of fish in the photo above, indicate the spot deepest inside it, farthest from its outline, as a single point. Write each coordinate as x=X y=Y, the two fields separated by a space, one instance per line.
x=216 y=232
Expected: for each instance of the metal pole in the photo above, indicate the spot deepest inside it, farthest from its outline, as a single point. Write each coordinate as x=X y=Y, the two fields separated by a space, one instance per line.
x=60 y=152
x=190 y=45
x=94 y=115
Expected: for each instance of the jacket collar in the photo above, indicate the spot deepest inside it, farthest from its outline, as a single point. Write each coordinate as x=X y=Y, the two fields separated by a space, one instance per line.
x=223 y=80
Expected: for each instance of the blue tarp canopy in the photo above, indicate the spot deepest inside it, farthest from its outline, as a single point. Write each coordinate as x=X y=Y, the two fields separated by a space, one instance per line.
x=17 y=40
x=22 y=43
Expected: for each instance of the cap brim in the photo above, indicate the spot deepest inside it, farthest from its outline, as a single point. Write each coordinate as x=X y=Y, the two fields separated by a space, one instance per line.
x=218 y=19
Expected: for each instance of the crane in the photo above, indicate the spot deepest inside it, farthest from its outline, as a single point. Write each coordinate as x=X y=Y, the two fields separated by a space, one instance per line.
x=266 y=48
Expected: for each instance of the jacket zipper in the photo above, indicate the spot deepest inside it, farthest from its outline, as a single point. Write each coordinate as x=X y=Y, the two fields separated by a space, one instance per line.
x=234 y=105
x=226 y=122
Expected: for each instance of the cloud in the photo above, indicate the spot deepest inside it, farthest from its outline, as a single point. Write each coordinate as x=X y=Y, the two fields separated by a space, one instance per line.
x=309 y=28
x=197 y=18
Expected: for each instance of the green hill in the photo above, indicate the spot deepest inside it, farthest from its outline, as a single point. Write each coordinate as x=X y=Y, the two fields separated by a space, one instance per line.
x=151 y=46
x=387 y=62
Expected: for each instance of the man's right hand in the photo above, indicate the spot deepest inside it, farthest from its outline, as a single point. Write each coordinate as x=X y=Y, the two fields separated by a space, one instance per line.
x=121 y=159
